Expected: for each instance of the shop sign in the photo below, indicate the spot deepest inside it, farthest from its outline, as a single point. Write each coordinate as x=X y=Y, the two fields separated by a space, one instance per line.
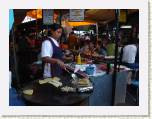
x=76 y=14
x=48 y=16
x=123 y=16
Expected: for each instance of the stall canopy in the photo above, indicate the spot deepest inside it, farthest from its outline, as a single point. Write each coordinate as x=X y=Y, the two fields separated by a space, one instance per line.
x=37 y=14
x=102 y=16
x=84 y=23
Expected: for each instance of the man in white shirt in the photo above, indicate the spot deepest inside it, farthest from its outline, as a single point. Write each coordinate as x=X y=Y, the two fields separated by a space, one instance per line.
x=129 y=53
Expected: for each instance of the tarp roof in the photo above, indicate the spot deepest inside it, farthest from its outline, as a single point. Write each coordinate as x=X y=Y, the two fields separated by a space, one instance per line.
x=104 y=16
x=101 y=16
x=85 y=23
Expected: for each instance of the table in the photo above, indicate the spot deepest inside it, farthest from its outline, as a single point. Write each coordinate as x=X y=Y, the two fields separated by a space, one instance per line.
x=48 y=95
x=102 y=93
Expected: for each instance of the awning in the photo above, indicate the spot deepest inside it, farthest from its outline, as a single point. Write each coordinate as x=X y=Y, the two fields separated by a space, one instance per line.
x=102 y=16
x=37 y=14
x=85 y=23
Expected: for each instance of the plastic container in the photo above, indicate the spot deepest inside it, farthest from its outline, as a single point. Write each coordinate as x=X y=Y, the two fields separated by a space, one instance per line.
x=90 y=70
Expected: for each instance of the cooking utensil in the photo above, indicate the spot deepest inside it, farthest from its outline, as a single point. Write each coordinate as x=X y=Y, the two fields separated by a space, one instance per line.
x=73 y=75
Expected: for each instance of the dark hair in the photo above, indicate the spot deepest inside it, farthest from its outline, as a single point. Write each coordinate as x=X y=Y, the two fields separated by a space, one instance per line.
x=72 y=32
x=54 y=27
x=131 y=41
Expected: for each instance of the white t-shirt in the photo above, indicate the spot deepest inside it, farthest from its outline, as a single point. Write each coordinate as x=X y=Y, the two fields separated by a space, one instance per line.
x=47 y=51
x=129 y=53
x=87 y=38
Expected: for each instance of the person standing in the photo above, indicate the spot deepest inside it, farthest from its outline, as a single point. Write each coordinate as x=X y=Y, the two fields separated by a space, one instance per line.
x=103 y=49
x=72 y=40
x=129 y=53
x=23 y=56
x=51 y=53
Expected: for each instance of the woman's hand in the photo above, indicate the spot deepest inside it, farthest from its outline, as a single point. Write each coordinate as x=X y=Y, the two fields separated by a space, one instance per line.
x=61 y=64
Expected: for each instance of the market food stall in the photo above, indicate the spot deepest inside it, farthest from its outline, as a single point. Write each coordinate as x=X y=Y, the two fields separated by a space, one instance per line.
x=106 y=87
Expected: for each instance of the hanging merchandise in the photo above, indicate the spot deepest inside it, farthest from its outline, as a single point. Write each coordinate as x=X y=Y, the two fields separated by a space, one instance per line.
x=76 y=14
x=48 y=16
x=35 y=14
x=123 y=16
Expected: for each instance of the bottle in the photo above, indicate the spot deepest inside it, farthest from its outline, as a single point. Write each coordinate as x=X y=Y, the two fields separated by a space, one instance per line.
x=79 y=59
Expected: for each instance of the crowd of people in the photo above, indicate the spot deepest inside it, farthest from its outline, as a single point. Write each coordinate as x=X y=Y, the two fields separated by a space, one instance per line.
x=53 y=51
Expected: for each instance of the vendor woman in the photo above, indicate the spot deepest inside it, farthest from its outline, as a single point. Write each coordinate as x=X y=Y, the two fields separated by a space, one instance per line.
x=51 y=53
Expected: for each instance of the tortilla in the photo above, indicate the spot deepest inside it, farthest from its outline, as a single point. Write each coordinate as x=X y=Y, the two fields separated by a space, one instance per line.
x=55 y=83
x=28 y=92
x=68 y=89
x=56 y=78
x=83 y=82
x=46 y=80
x=42 y=81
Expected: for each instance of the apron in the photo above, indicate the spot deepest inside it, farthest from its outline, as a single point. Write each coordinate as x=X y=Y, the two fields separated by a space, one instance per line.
x=56 y=70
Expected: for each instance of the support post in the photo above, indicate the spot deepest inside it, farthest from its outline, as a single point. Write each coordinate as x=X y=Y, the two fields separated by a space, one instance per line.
x=97 y=32
x=114 y=77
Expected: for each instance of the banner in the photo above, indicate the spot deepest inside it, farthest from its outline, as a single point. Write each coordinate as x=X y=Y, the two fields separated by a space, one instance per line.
x=11 y=18
x=123 y=16
x=48 y=16
x=76 y=14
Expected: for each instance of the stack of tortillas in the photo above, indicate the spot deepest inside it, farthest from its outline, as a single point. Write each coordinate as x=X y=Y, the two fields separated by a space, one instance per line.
x=55 y=81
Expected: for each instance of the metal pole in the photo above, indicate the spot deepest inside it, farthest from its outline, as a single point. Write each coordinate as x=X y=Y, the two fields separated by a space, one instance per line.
x=97 y=33
x=42 y=25
x=60 y=19
x=36 y=25
x=60 y=22
x=116 y=55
